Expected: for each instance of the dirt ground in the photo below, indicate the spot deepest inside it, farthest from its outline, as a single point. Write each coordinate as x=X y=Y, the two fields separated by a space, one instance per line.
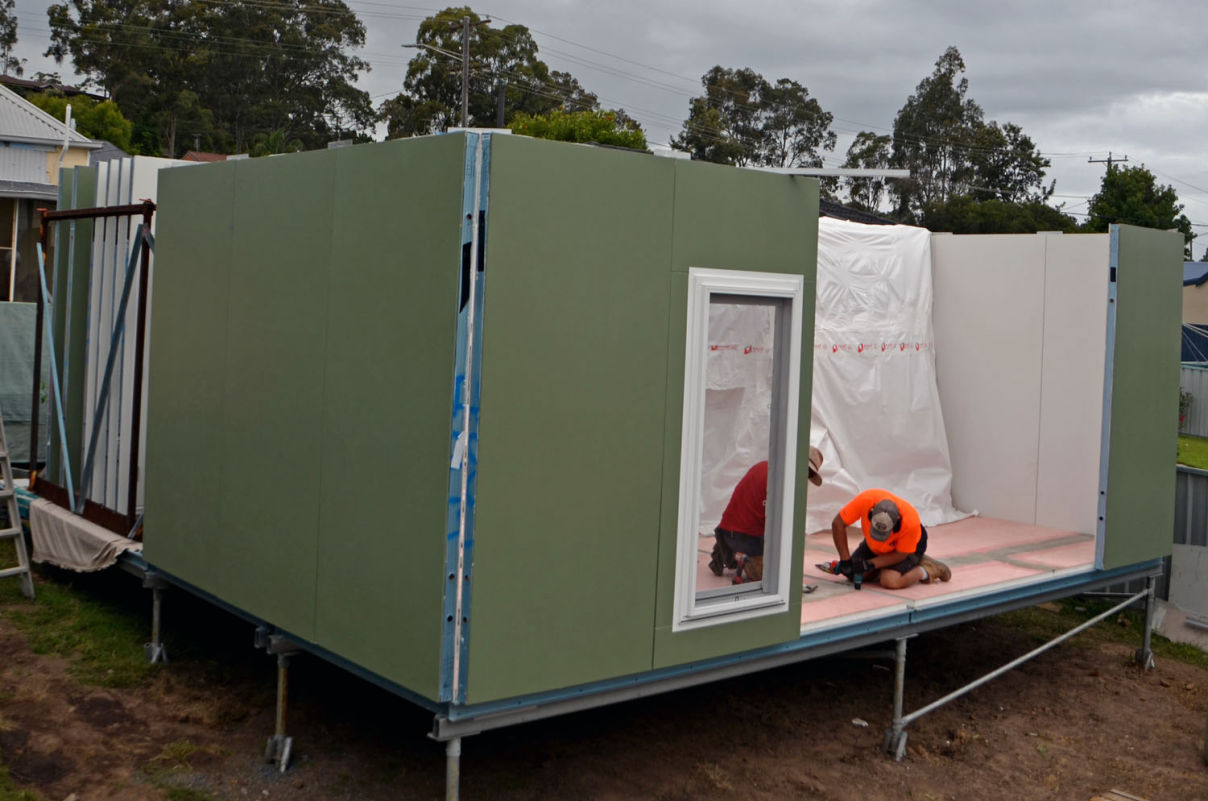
x=1079 y=720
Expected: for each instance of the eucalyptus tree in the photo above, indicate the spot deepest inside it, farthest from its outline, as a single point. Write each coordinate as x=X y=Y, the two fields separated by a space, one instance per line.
x=941 y=135
x=505 y=77
x=186 y=71
x=743 y=119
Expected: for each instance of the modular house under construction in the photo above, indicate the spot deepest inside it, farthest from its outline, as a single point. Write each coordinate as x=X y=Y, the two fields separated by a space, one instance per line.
x=439 y=410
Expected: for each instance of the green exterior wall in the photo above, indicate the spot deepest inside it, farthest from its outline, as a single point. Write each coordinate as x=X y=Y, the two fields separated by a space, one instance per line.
x=1144 y=378
x=734 y=219
x=587 y=253
x=303 y=333
x=73 y=255
x=300 y=388
x=571 y=430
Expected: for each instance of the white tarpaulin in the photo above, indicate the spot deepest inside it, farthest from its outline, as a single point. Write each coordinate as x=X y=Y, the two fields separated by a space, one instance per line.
x=738 y=402
x=876 y=408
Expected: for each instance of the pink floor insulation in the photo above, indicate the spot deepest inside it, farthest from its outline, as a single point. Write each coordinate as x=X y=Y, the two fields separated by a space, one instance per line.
x=983 y=554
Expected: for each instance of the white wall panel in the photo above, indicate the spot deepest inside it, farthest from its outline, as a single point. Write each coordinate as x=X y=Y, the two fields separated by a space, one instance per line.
x=989 y=321
x=1071 y=410
x=119 y=182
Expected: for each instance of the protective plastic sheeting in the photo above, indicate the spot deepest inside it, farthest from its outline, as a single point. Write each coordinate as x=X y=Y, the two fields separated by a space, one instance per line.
x=876 y=408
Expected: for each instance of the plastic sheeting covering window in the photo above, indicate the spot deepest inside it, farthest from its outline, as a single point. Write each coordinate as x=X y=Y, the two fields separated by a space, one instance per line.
x=876 y=413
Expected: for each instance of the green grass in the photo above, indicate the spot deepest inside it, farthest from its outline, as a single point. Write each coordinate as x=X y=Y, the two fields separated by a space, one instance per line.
x=10 y=793
x=1125 y=628
x=101 y=636
x=1193 y=451
x=172 y=764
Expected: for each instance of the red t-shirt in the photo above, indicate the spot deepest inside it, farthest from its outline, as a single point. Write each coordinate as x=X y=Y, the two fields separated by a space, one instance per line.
x=746 y=511
x=905 y=540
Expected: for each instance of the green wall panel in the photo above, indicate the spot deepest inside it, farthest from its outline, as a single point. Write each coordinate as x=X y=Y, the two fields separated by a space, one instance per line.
x=185 y=469
x=271 y=388
x=301 y=383
x=745 y=220
x=393 y=291
x=571 y=431
x=1144 y=404
x=73 y=254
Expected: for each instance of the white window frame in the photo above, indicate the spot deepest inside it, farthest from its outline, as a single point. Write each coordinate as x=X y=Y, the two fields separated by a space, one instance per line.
x=772 y=595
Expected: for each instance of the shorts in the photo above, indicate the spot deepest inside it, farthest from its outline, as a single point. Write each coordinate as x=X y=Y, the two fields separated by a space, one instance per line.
x=740 y=543
x=905 y=566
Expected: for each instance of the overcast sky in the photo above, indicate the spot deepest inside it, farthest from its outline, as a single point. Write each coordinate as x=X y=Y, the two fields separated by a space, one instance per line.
x=1081 y=78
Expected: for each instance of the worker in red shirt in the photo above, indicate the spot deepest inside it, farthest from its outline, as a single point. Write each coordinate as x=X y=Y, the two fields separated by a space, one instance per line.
x=738 y=539
x=895 y=542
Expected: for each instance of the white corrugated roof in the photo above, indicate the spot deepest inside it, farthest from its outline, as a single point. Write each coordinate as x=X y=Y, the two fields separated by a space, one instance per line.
x=22 y=121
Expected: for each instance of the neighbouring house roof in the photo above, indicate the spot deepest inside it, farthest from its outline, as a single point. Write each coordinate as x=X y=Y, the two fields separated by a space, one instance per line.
x=201 y=155
x=22 y=121
x=827 y=208
x=1195 y=273
x=26 y=189
x=107 y=152
x=47 y=86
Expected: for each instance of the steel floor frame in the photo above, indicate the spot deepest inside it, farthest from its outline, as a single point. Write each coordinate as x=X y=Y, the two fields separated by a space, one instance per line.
x=453 y=721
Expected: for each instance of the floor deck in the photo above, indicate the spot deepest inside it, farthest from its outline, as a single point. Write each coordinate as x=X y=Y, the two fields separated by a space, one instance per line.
x=984 y=554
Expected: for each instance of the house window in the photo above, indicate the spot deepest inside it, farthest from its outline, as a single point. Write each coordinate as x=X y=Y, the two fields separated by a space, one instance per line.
x=741 y=379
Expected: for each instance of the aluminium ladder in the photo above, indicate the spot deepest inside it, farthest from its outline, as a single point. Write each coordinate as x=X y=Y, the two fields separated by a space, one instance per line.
x=12 y=530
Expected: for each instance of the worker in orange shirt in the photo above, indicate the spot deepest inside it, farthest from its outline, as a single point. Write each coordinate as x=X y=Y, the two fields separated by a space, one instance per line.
x=894 y=547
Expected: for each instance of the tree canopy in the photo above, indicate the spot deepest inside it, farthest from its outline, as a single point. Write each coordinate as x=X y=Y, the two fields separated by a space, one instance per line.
x=600 y=127
x=1132 y=195
x=96 y=120
x=941 y=136
x=216 y=75
x=743 y=119
x=967 y=215
x=506 y=76
x=8 y=39
x=868 y=151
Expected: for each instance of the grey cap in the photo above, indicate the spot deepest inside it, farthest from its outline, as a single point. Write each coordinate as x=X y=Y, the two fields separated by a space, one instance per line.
x=883 y=520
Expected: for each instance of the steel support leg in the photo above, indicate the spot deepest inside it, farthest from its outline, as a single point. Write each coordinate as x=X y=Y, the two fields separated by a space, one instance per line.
x=155 y=649
x=453 y=769
x=1145 y=654
x=894 y=743
x=279 y=745
x=895 y=738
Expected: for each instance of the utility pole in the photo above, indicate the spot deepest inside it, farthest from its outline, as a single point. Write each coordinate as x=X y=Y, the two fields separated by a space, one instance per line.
x=1108 y=161
x=465 y=71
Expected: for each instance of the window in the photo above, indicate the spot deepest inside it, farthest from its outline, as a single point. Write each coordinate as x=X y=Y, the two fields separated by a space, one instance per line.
x=741 y=380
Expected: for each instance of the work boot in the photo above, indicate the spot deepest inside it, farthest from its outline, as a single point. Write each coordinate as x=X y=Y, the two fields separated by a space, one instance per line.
x=936 y=571
x=716 y=563
x=723 y=555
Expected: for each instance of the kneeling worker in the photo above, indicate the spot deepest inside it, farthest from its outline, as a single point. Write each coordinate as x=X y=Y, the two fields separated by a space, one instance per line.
x=895 y=542
x=738 y=539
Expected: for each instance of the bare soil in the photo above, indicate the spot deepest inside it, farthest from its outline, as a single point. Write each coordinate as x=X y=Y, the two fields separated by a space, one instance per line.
x=1080 y=720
